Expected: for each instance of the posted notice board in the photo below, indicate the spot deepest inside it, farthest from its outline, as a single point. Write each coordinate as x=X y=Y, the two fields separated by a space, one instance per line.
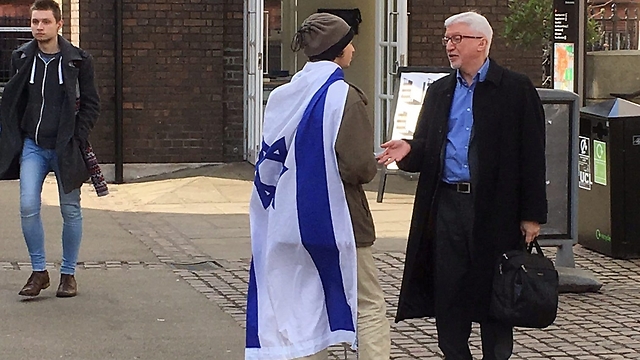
x=411 y=87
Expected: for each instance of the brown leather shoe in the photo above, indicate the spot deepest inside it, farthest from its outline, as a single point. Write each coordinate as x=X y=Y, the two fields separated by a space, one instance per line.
x=38 y=281
x=67 y=287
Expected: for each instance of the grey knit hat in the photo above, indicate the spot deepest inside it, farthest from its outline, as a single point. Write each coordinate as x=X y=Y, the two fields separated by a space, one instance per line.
x=322 y=36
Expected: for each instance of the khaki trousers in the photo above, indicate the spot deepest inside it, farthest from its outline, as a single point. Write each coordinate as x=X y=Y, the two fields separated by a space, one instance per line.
x=374 y=342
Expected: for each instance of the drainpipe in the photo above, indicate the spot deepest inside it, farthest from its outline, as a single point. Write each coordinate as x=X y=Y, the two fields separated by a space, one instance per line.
x=119 y=123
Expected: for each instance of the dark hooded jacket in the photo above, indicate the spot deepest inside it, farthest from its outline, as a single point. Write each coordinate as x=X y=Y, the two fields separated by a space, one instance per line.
x=79 y=110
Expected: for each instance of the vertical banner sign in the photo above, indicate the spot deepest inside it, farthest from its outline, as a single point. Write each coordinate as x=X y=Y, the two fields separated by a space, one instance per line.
x=584 y=163
x=600 y=162
x=565 y=37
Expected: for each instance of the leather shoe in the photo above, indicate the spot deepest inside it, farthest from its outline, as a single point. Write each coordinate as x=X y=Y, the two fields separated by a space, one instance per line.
x=38 y=281
x=67 y=287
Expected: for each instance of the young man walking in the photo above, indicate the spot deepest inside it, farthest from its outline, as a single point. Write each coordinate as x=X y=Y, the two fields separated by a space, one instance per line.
x=48 y=110
x=314 y=282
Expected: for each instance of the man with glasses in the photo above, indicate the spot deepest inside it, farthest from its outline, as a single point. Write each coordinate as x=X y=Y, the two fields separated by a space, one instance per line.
x=479 y=146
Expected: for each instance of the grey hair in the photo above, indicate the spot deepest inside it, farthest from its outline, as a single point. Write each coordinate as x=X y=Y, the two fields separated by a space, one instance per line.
x=476 y=22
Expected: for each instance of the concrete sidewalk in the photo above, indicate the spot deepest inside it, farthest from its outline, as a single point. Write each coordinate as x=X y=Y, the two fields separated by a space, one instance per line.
x=130 y=304
x=146 y=274
x=165 y=268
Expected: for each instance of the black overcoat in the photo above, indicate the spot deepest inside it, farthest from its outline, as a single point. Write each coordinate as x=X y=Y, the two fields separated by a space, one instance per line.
x=508 y=185
x=75 y=124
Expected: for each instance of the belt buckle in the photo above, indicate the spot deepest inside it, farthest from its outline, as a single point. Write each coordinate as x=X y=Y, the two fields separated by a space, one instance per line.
x=464 y=188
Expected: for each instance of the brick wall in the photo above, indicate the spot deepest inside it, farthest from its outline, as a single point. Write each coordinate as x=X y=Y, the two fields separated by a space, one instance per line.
x=183 y=71
x=74 y=21
x=15 y=8
x=182 y=78
x=66 y=17
x=71 y=18
x=426 y=27
x=97 y=29
x=233 y=96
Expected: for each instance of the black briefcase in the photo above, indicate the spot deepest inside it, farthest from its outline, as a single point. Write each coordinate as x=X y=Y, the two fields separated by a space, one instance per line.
x=525 y=289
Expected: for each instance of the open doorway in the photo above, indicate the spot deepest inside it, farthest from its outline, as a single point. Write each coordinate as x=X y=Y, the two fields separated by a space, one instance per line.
x=381 y=47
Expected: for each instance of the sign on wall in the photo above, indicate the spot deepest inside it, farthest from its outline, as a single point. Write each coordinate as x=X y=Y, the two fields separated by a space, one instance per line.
x=565 y=39
x=564 y=66
x=584 y=163
x=600 y=162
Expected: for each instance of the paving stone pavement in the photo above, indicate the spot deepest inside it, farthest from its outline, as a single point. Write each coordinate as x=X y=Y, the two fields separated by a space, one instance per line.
x=88 y=265
x=604 y=325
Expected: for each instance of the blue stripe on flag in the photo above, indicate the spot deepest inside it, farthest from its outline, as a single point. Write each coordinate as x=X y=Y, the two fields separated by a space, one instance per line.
x=314 y=212
x=253 y=340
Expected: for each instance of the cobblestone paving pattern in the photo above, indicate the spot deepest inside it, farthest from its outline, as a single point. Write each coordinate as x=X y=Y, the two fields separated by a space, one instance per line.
x=94 y=265
x=605 y=325
x=167 y=244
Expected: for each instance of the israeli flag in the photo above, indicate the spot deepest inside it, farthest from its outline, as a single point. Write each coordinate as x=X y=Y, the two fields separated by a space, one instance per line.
x=303 y=285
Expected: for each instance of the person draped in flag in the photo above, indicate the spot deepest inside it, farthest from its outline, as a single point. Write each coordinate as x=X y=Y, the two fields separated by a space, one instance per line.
x=313 y=281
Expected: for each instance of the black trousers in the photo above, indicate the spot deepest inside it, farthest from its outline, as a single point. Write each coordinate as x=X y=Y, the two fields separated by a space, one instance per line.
x=454 y=248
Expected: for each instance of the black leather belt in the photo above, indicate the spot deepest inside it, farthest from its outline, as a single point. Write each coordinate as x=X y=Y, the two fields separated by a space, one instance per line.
x=461 y=187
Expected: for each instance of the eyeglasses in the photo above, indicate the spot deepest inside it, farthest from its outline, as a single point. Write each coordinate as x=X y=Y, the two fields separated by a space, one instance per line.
x=457 y=39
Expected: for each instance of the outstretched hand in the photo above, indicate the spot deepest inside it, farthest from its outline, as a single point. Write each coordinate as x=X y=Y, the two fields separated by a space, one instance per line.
x=394 y=150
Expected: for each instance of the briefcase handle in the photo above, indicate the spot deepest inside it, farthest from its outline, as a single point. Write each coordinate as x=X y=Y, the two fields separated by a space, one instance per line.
x=535 y=244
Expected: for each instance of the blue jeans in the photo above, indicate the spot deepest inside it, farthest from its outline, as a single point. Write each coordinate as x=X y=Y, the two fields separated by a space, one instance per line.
x=35 y=164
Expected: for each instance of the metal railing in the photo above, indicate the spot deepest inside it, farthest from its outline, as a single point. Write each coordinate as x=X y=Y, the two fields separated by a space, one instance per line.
x=13 y=33
x=619 y=28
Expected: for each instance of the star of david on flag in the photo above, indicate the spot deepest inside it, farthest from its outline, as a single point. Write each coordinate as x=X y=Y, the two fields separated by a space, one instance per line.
x=269 y=168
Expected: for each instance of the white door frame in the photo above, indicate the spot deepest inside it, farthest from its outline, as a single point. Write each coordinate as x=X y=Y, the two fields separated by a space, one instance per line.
x=392 y=24
x=391 y=38
x=253 y=77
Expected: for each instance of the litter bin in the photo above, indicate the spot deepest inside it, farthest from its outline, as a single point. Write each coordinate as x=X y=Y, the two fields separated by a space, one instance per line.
x=609 y=178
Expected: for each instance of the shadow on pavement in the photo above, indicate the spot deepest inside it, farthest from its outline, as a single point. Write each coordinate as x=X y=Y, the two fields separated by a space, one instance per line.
x=396 y=183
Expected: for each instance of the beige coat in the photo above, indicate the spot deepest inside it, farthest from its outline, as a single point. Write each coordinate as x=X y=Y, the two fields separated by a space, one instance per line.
x=357 y=164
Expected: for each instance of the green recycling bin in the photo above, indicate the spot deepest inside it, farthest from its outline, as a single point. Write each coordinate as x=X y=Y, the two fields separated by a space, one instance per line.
x=609 y=178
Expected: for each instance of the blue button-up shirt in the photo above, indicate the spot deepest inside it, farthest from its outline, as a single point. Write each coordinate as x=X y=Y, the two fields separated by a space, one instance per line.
x=456 y=159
